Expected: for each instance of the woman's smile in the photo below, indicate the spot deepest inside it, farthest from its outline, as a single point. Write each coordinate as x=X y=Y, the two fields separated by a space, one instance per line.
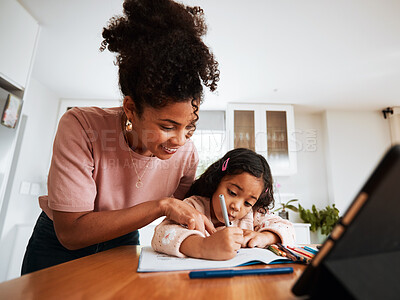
x=169 y=150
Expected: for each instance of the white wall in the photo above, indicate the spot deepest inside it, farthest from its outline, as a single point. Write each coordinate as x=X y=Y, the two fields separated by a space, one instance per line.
x=356 y=141
x=309 y=184
x=336 y=153
x=40 y=108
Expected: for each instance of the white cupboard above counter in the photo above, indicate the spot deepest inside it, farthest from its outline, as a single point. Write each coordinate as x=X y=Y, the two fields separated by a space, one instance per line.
x=19 y=32
x=267 y=129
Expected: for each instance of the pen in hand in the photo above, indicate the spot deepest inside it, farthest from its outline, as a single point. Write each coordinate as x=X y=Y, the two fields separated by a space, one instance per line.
x=224 y=211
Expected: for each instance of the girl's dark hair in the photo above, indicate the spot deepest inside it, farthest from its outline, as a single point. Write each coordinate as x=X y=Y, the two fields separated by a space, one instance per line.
x=240 y=160
x=161 y=56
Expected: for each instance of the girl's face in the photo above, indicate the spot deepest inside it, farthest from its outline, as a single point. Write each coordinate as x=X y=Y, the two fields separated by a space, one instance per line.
x=160 y=132
x=241 y=193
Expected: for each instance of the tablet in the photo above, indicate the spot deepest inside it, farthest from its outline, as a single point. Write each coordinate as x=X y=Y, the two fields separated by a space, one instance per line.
x=361 y=257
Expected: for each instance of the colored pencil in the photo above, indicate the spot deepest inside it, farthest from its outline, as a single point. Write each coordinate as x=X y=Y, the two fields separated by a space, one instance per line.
x=281 y=253
x=312 y=250
x=305 y=252
x=301 y=251
x=293 y=256
x=308 y=251
x=299 y=256
x=273 y=250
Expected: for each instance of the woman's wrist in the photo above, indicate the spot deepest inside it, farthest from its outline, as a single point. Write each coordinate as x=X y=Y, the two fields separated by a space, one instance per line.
x=164 y=206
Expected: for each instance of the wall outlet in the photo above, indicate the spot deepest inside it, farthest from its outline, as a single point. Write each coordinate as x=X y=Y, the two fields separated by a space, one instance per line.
x=25 y=188
x=35 y=189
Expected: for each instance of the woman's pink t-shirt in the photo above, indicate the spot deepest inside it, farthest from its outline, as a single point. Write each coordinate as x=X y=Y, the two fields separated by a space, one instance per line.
x=92 y=170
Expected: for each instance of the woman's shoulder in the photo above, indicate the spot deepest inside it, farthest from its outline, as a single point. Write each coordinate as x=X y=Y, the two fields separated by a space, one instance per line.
x=94 y=112
x=92 y=116
x=188 y=150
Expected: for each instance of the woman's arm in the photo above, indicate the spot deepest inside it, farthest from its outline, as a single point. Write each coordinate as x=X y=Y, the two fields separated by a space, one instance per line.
x=82 y=229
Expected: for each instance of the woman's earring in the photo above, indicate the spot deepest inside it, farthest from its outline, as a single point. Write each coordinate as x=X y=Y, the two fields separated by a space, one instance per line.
x=128 y=125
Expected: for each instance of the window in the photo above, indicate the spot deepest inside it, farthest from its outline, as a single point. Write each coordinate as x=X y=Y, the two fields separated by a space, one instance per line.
x=210 y=138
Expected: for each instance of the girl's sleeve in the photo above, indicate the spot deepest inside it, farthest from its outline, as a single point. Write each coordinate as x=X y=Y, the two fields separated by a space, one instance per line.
x=168 y=235
x=281 y=227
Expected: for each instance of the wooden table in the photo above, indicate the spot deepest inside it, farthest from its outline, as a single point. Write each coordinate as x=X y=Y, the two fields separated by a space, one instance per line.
x=112 y=275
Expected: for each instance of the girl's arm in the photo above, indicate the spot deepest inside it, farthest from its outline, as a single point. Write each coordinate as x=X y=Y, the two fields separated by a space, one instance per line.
x=82 y=229
x=174 y=239
x=270 y=223
x=221 y=245
x=263 y=239
x=169 y=235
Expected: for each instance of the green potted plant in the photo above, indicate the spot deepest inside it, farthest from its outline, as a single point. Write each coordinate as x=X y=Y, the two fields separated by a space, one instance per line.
x=323 y=219
x=283 y=213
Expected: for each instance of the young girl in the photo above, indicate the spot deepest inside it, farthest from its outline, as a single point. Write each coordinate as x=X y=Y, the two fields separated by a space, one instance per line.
x=244 y=178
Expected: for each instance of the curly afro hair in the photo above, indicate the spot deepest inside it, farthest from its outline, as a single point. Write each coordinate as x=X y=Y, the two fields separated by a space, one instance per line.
x=161 y=56
x=240 y=160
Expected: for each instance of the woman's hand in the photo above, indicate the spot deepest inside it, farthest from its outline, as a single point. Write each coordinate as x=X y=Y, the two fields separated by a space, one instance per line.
x=221 y=245
x=183 y=213
x=253 y=239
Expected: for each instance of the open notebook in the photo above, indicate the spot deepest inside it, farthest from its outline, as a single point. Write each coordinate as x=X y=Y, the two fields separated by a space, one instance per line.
x=151 y=261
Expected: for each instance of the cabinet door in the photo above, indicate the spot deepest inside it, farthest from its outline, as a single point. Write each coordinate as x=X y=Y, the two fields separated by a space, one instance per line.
x=18 y=31
x=244 y=131
x=281 y=154
x=266 y=129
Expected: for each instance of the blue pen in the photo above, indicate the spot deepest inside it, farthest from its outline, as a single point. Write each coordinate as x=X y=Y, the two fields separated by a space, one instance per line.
x=224 y=211
x=231 y=273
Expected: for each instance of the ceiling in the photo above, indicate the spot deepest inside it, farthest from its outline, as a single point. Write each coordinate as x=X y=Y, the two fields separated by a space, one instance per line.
x=318 y=54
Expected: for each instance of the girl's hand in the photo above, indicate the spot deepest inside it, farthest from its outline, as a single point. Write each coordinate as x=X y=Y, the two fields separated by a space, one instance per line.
x=263 y=239
x=183 y=213
x=223 y=244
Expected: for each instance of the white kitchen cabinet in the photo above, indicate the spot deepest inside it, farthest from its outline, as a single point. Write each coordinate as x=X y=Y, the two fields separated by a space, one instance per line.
x=18 y=35
x=18 y=32
x=18 y=40
x=267 y=129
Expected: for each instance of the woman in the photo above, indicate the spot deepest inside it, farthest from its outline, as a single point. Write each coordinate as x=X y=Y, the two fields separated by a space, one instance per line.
x=116 y=170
